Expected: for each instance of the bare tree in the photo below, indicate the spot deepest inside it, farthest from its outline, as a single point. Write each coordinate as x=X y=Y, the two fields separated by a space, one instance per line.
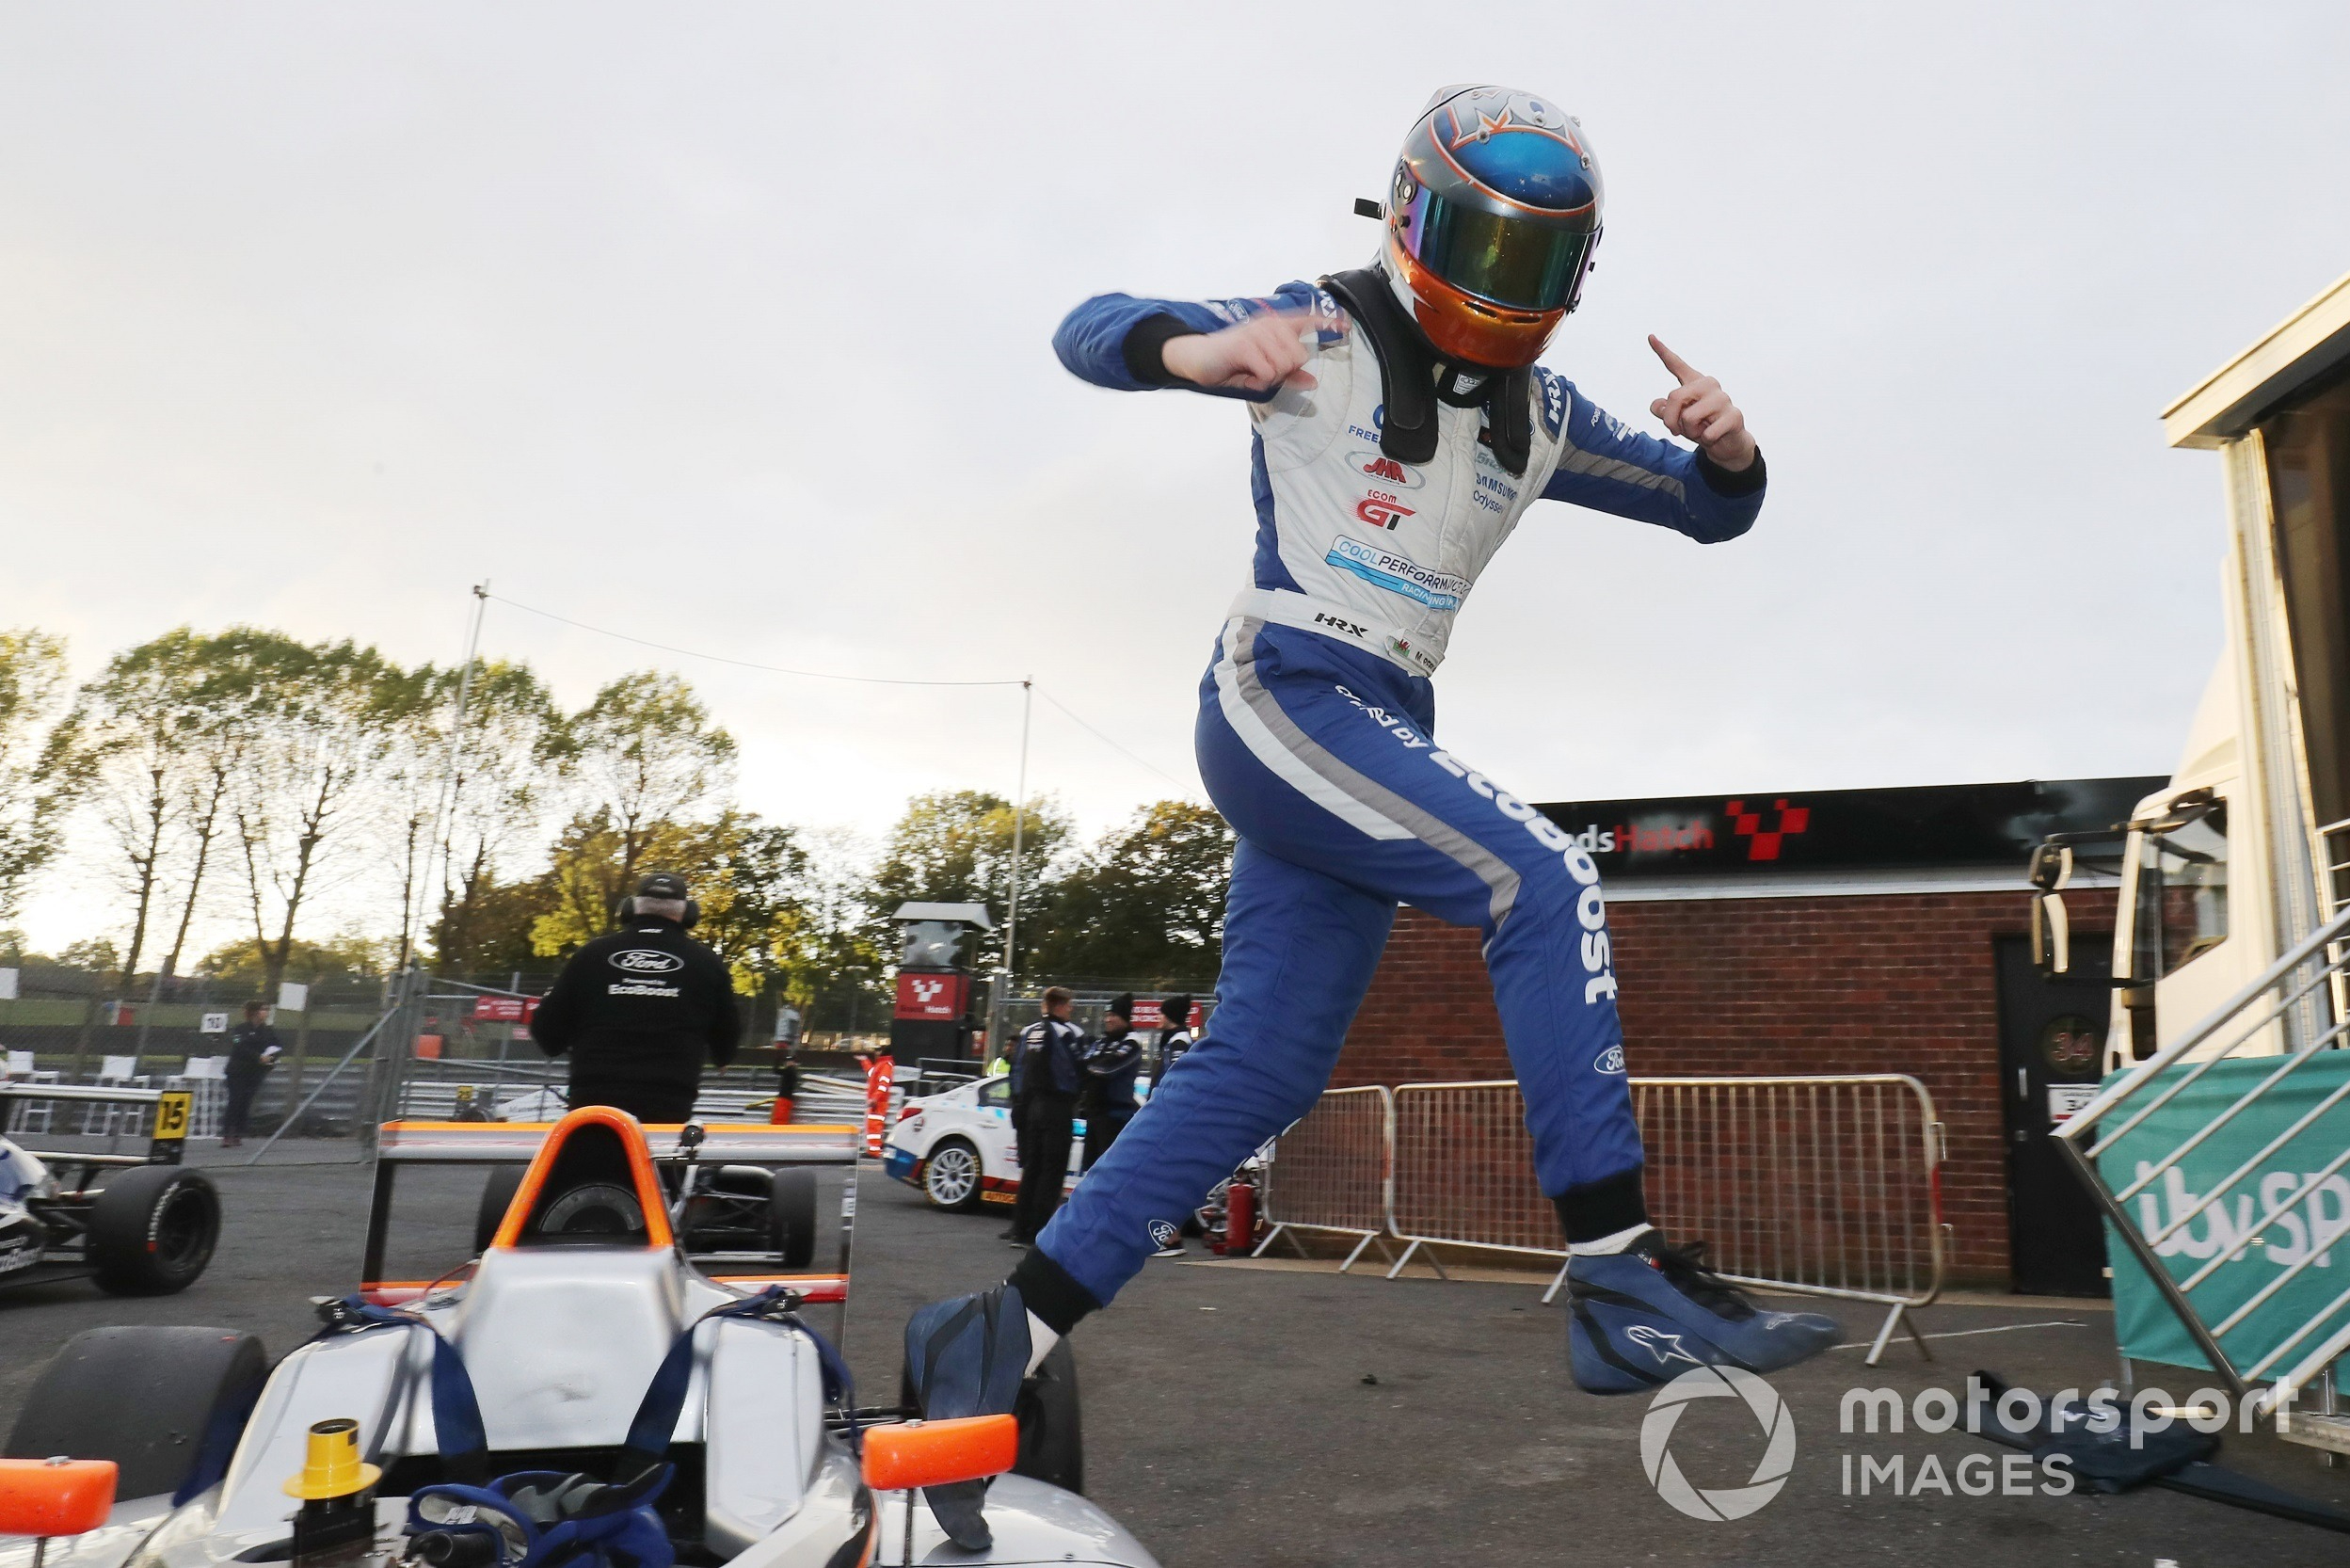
x=33 y=790
x=644 y=754
x=323 y=718
x=126 y=746
x=498 y=790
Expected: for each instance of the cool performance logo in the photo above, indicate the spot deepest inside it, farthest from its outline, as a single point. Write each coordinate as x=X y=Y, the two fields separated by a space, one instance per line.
x=1397 y=574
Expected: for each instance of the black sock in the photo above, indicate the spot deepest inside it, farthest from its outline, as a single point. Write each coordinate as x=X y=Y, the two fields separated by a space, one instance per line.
x=1599 y=1209
x=1046 y=1290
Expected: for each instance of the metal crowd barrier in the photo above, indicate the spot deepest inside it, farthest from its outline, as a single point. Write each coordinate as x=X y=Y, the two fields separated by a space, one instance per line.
x=1464 y=1174
x=1331 y=1173
x=1826 y=1186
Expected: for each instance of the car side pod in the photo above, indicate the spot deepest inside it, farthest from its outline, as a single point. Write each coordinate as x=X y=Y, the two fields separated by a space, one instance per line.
x=42 y=1497
x=918 y=1454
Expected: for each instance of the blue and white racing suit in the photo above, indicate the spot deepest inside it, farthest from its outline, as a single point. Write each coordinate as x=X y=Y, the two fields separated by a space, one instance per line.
x=1317 y=741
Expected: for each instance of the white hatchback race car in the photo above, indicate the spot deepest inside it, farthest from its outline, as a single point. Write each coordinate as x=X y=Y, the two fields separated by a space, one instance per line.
x=960 y=1147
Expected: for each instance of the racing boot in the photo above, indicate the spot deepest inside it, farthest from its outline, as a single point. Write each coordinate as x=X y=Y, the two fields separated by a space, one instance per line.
x=967 y=1356
x=1641 y=1317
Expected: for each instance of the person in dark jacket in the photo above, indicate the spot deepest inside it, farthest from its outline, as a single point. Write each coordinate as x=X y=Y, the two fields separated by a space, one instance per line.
x=1174 y=1037
x=1046 y=1073
x=1111 y=1064
x=641 y=1010
x=253 y=1050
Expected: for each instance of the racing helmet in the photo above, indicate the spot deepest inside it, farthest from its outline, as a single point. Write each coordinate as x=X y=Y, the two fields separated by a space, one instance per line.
x=1490 y=221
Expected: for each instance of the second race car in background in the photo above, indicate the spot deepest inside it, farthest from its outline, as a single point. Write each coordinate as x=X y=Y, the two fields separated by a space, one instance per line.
x=960 y=1148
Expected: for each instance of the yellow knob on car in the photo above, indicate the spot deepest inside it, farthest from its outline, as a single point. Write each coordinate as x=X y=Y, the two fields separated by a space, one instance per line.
x=332 y=1468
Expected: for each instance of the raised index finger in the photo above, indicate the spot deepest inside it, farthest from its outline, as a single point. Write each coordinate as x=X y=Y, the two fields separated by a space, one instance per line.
x=1682 y=371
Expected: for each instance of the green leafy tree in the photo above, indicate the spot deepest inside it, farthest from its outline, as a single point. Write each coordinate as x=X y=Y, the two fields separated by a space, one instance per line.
x=1146 y=902
x=494 y=941
x=745 y=873
x=33 y=794
x=352 y=956
x=955 y=847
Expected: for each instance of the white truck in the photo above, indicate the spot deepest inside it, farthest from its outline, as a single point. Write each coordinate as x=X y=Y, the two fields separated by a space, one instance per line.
x=2218 y=1146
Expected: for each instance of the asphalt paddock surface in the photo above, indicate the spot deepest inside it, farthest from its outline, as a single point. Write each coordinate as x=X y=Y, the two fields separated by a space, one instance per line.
x=1244 y=1415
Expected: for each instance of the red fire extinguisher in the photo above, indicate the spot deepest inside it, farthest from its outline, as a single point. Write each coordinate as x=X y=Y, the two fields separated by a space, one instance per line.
x=1240 y=1219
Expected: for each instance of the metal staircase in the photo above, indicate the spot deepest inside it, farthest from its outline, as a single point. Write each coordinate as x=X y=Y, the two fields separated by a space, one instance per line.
x=2292 y=1350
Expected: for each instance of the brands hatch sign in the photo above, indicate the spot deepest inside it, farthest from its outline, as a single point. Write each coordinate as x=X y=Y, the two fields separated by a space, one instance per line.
x=1757 y=832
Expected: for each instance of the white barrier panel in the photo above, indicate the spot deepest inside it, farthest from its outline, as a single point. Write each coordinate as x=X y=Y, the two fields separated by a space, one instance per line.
x=1823 y=1185
x=1330 y=1172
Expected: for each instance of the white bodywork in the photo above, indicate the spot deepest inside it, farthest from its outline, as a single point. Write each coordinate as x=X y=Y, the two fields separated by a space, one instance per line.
x=981 y=1116
x=561 y=1343
x=978 y=1114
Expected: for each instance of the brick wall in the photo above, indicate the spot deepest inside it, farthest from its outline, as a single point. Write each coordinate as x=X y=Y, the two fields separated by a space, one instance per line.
x=1899 y=983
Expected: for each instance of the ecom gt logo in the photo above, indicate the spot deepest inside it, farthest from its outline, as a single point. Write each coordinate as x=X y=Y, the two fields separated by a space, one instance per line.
x=1718 y=1504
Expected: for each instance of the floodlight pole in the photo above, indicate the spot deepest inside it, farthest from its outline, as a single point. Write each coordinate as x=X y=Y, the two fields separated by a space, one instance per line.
x=1012 y=915
x=456 y=739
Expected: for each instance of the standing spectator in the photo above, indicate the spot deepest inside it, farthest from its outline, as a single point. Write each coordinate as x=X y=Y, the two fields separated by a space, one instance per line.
x=1110 y=1063
x=640 y=1010
x=1046 y=1076
x=1174 y=1037
x=253 y=1050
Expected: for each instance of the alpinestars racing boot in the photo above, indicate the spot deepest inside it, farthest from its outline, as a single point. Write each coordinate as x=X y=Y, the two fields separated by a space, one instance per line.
x=1641 y=1317
x=966 y=1356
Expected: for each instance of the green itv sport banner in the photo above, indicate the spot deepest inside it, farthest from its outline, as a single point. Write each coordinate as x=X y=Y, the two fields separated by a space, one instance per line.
x=2316 y=1229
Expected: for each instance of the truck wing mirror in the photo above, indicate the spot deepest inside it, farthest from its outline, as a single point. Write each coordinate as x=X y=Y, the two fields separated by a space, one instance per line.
x=2052 y=934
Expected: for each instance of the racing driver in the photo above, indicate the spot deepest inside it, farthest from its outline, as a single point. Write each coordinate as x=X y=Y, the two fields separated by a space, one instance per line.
x=1399 y=429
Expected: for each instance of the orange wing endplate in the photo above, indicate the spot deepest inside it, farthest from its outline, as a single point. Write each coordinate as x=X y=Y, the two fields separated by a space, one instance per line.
x=55 y=1496
x=934 y=1453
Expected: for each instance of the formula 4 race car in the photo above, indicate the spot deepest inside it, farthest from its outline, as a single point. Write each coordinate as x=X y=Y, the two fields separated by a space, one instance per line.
x=587 y=1392
x=138 y=1224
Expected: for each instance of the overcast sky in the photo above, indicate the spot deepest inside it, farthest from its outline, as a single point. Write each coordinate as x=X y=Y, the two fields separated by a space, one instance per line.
x=729 y=325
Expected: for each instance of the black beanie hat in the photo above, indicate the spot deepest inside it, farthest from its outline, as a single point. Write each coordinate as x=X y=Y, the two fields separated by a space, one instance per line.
x=1175 y=1011
x=1123 y=1005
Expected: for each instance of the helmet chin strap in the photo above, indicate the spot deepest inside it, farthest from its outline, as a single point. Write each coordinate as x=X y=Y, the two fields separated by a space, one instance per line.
x=1414 y=378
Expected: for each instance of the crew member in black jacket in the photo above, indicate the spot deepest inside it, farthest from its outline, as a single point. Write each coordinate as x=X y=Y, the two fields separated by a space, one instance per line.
x=1047 y=1072
x=1111 y=1062
x=640 y=1010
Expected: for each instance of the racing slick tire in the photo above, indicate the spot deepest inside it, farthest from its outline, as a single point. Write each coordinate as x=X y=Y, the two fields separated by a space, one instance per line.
x=1052 y=1437
x=152 y=1399
x=791 y=1215
x=950 y=1175
x=497 y=1197
x=151 y=1230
